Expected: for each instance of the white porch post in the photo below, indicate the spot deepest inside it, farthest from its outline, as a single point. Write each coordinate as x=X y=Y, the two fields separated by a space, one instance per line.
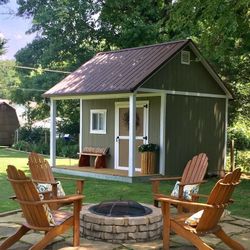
x=226 y=124
x=52 y=132
x=81 y=127
x=132 y=117
x=162 y=133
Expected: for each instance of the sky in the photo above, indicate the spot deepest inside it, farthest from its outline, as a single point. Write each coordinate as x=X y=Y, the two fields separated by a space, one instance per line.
x=13 y=29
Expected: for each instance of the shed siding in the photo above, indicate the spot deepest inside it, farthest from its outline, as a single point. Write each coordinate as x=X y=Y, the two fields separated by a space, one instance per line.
x=107 y=140
x=181 y=77
x=194 y=125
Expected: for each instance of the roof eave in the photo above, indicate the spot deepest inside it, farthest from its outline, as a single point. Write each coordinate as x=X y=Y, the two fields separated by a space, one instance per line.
x=54 y=96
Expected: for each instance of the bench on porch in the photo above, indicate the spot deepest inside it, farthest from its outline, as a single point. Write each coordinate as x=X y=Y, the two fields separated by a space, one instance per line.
x=99 y=154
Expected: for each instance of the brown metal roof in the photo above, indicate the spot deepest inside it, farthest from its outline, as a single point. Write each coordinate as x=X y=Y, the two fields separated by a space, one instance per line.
x=116 y=71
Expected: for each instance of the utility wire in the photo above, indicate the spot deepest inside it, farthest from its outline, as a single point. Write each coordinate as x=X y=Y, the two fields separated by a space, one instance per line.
x=32 y=68
x=24 y=89
x=47 y=70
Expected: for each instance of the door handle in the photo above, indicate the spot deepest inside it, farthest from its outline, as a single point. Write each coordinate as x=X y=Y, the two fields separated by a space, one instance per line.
x=144 y=137
x=117 y=138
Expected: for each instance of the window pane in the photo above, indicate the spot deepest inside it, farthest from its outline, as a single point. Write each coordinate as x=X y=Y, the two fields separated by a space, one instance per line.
x=95 y=121
x=101 y=121
x=98 y=121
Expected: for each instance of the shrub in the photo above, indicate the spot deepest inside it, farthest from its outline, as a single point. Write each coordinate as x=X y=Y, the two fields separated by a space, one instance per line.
x=22 y=145
x=148 y=148
x=33 y=135
x=242 y=140
x=67 y=148
x=41 y=148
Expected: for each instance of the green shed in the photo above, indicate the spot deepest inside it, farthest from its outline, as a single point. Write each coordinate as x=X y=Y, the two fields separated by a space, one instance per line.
x=167 y=94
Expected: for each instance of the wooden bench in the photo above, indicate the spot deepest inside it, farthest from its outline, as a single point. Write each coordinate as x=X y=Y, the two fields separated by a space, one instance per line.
x=99 y=153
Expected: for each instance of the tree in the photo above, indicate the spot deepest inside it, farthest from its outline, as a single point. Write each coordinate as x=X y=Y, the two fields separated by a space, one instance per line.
x=63 y=43
x=66 y=27
x=131 y=23
x=71 y=31
x=8 y=78
x=221 y=29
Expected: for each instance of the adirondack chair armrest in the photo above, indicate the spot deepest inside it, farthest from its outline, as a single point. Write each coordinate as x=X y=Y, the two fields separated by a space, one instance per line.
x=70 y=178
x=166 y=178
x=185 y=203
x=63 y=200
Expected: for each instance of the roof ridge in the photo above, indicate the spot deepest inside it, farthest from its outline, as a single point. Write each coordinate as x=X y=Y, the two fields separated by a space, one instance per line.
x=142 y=47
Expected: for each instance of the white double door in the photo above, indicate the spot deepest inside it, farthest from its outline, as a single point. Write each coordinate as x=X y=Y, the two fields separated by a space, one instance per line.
x=122 y=132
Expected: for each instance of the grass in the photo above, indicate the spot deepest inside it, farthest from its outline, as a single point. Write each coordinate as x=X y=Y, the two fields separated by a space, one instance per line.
x=98 y=190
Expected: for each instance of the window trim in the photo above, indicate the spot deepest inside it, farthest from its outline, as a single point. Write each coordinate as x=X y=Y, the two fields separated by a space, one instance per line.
x=98 y=111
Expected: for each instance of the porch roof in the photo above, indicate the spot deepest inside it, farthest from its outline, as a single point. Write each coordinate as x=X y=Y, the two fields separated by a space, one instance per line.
x=116 y=71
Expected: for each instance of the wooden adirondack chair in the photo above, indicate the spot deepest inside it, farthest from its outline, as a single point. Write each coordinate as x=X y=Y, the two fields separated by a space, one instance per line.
x=218 y=200
x=37 y=214
x=194 y=173
x=41 y=173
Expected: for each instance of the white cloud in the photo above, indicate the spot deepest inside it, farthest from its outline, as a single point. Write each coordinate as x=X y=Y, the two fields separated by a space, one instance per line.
x=18 y=36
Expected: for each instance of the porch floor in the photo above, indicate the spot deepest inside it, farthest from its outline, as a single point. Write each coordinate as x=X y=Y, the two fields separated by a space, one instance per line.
x=103 y=173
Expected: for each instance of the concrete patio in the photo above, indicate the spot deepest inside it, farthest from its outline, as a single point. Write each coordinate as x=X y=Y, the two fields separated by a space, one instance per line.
x=238 y=228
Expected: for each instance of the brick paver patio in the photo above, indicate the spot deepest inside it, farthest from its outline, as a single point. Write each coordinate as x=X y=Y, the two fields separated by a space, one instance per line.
x=238 y=228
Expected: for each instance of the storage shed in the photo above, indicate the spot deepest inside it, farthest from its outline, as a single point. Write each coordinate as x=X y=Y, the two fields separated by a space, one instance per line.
x=166 y=94
x=8 y=124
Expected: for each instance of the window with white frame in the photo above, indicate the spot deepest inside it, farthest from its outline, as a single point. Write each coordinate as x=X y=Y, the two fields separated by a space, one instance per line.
x=98 y=121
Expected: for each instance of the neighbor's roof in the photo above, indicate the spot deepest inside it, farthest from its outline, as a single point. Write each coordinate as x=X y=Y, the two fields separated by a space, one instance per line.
x=116 y=71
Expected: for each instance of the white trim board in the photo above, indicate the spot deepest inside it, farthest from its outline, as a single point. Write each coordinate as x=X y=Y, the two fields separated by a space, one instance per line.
x=184 y=93
x=103 y=96
x=125 y=104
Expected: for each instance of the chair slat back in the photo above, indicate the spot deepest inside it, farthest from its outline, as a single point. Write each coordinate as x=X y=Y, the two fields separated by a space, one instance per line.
x=40 y=168
x=195 y=169
x=220 y=196
x=25 y=191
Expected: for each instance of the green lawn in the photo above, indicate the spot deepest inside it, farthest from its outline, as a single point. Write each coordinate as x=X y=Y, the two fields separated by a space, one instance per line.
x=98 y=190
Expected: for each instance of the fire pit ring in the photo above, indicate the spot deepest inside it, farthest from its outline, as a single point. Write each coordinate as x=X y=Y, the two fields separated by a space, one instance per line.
x=122 y=229
x=120 y=208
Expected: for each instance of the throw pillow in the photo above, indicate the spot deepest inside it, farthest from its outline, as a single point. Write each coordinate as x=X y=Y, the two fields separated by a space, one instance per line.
x=187 y=191
x=194 y=219
x=43 y=187
x=49 y=215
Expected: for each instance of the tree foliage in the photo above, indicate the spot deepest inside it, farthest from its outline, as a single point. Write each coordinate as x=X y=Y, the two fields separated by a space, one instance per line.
x=221 y=28
x=9 y=79
x=133 y=23
x=69 y=32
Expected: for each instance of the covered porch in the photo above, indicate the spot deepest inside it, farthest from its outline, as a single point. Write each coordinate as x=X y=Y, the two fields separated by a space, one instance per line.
x=131 y=172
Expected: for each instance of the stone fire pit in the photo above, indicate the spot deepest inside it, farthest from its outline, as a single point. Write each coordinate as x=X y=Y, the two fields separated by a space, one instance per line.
x=125 y=229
